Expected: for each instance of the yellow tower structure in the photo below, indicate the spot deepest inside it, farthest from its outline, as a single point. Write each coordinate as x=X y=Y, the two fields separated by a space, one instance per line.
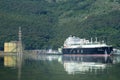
x=10 y=46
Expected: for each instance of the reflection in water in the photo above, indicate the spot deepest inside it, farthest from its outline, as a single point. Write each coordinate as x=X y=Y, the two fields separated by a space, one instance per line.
x=82 y=64
x=49 y=57
x=36 y=67
x=78 y=64
x=19 y=64
x=1 y=61
x=10 y=61
x=14 y=61
x=116 y=59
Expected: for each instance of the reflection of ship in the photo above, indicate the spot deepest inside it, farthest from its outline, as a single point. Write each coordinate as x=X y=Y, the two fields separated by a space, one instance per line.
x=116 y=59
x=82 y=64
x=75 y=45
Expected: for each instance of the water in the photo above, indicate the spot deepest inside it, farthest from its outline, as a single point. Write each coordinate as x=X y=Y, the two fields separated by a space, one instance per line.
x=59 y=67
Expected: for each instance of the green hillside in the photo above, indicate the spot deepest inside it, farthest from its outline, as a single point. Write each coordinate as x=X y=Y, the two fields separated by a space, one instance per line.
x=47 y=23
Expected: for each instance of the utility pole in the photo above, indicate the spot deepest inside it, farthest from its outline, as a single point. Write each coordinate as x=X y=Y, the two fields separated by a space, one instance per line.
x=20 y=41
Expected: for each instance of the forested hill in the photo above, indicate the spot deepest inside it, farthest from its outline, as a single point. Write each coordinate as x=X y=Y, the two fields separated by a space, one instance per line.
x=47 y=23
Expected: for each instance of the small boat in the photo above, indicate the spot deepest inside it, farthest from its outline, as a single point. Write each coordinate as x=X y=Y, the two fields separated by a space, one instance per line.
x=50 y=51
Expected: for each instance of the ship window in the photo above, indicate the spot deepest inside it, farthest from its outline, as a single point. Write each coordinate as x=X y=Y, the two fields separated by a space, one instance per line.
x=74 y=51
x=81 y=51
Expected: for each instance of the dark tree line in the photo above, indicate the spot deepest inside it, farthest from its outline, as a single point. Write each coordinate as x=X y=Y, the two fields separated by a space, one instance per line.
x=47 y=24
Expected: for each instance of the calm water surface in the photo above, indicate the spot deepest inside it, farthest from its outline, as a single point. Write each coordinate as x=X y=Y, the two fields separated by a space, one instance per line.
x=59 y=67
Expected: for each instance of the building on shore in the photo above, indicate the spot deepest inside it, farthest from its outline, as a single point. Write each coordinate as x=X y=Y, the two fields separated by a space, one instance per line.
x=10 y=46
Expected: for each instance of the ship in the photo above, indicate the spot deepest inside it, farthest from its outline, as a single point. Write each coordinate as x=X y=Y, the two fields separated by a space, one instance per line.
x=76 y=45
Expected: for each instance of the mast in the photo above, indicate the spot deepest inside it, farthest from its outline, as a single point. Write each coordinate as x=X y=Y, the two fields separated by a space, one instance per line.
x=91 y=40
x=96 y=39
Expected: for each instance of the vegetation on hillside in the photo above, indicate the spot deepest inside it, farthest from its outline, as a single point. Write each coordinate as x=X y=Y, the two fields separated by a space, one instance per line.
x=47 y=23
